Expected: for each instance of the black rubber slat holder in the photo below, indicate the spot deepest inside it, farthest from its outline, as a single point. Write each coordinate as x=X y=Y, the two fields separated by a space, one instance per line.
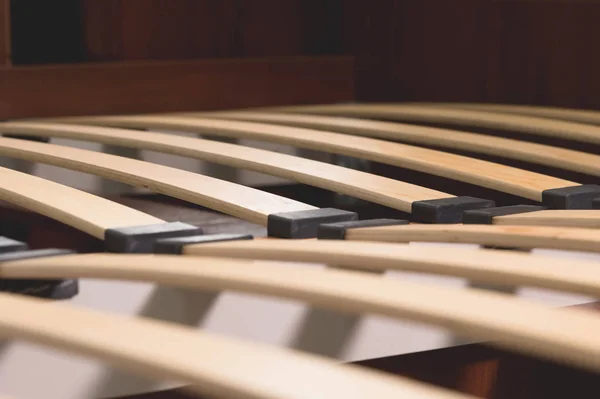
x=141 y=239
x=41 y=288
x=305 y=224
x=446 y=210
x=176 y=245
x=10 y=245
x=337 y=231
x=575 y=197
x=487 y=215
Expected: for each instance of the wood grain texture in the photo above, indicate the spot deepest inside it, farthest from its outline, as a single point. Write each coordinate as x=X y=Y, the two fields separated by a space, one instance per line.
x=430 y=114
x=374 y=188
x=5 y=33
x=567 y=114
x=486 y=174
x=562 y=158
x=109 y=88
x=362 y=253
x=234 y=199
x=523 y=326
x=574 y=239
x=228 y=367
x=86 y=212
x=553 y=217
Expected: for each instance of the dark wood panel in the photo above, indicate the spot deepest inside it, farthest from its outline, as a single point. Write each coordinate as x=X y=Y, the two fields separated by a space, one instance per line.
x=4 y=32
x=520 y=51
x=173 y=86
x=186 y=29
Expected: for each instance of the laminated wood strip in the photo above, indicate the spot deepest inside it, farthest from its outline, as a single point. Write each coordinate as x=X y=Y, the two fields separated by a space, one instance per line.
x=572 y=239
x=459 y=117
x=244 y=202
x=377 y=189
x=486 y=174
x=495 y=267
x=211 y=364
x=87 y=212
x=589 y=116
x=555 y=157
x=564 y=335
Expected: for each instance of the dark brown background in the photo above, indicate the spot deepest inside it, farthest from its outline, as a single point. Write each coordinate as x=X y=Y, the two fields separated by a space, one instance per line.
x=520 y=51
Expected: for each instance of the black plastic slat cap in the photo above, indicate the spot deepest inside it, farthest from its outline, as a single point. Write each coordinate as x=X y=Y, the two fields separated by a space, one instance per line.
x=575 y=197
x=42 y=288
x=446 y=210
x=486 y=215
x=337 y=231
x=177 y=244
x=10 y=245
x=305 y=224
x=141 y=239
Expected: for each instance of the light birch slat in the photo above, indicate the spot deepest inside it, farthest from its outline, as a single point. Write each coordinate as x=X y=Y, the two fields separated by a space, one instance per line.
x=213 y=365
x=486 y=174
x=565 y=335
x=86 y=212
x=553 y=217
x=234 y=199
x=377 y=189
x=459 y=117
x=571 y=239
x=556 y=157
x=496 y=267
x=576 y=115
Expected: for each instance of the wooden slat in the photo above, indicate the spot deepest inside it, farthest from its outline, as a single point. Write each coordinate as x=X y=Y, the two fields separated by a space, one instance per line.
x=486 y=174
x=509 y=322
x=377 y=189
x=556 y=157
x=575 y=239
x=459 y=117
x=485 y=266
x=553 y=217
x=227 y=367
x=86 y=212
x=567 y=114
x=108 y=88
x=244 y=202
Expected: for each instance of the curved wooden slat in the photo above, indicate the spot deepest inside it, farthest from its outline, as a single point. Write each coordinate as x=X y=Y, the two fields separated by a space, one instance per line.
x=214 y=365
x=459 y=117
x=553 y=217
x=86 y=212
x=234 y=199
x=574 y=239
x=556 y=157
x=589 y=116
x=487 y=266
x=560 y=334
x=374 y=188
x=486 y=174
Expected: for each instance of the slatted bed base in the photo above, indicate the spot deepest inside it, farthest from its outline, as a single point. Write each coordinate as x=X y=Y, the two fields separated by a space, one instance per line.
x=357 y=258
